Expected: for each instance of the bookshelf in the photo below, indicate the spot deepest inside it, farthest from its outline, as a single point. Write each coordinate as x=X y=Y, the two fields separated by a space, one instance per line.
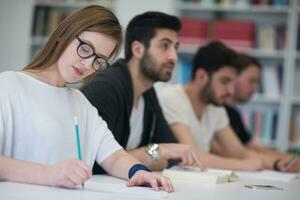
x=48 y=13
x=295 y=86
x=272 y=32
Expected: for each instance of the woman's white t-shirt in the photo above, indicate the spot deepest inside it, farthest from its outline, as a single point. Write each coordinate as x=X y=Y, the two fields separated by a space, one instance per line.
x=37 y=122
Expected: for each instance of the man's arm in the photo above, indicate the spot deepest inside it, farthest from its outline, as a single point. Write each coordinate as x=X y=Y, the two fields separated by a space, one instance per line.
x=168 y=151
x=236 y=162
x=142 y=155
x=231 y=146
x=268 y=154
x=262 y=149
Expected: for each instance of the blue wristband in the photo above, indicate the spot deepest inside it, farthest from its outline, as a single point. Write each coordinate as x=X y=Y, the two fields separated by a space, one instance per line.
x=136 y=168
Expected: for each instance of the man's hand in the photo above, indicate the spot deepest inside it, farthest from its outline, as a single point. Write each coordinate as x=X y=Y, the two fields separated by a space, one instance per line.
x=145 y=178
x=289 y=164
x=182 y=152
x=252 y=163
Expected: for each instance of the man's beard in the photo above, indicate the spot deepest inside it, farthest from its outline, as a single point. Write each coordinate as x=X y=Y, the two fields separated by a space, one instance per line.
x=148 y=68
x=207 y=95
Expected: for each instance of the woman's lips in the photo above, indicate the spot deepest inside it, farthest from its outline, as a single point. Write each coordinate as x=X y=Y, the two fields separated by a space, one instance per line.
x=77 y=71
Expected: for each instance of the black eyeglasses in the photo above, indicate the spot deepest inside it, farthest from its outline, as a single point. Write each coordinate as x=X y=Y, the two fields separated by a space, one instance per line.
x=84 y=50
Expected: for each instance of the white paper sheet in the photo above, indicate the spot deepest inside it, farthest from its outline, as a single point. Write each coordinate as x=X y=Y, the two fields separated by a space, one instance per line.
x=144 y=192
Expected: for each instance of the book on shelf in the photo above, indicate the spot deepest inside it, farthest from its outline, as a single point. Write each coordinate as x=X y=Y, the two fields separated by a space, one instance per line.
x=296 y=90
x=281 y=37
x=271 y=82
x=240 y=2
x=54 y=19
x=280 y=2
x=194 y=32
x=47 y=18
x=271 y=37
x=39 y=21
x=193 y=174
x=238 y=34
x=241 y=35
x=294 y=134
x=266 y=37
x=262 y=123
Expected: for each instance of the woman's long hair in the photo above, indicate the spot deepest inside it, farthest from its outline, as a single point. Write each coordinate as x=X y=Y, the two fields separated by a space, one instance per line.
x=91 y=18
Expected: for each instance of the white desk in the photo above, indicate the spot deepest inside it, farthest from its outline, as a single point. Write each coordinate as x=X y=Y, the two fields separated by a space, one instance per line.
x=183 y=190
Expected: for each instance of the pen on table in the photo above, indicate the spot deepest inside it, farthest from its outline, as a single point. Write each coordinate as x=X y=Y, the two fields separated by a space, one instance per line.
x=78 y=141
x=294 y=156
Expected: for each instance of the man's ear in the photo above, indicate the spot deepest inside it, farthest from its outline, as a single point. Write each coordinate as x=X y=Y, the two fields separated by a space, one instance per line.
x=201 y=75
x=137 y=49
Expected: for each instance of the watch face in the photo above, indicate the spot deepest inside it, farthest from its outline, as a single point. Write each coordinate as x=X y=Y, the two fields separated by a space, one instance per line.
x=153 y=147
x=153 y=150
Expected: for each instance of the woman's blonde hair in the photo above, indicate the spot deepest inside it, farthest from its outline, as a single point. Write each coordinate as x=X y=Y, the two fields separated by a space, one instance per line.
x=91 y=18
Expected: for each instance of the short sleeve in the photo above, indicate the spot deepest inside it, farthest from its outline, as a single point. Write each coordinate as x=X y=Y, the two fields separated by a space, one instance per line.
x=108 y=145
x=173 y=106
x=221 y=118
x=100 y=140
x=237 y=125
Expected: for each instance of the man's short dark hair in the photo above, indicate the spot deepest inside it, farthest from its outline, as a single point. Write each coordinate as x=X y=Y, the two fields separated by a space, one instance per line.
x=143 y=28
x=213 y=57
x=244 y=61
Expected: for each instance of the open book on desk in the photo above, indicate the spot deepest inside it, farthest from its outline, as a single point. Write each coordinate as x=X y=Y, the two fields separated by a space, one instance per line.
x=194 y=174
x=121 y=188
x=269 y=175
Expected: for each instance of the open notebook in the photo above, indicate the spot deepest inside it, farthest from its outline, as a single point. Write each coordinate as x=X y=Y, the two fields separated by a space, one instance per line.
x=269 y=175
x=194 y=174
x=121 y=188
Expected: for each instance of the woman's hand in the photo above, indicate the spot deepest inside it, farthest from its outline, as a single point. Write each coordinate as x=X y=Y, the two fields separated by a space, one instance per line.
x=69 y=173
x=149 y=179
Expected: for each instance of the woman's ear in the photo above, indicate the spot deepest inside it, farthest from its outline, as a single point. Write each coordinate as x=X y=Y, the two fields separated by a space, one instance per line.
x=137 y=49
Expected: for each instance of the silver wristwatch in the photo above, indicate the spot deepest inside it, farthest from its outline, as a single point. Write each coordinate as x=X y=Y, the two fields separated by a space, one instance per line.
x=153 y=151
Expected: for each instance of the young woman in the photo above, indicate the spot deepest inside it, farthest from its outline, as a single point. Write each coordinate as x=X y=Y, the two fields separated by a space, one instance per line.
x=37 y=110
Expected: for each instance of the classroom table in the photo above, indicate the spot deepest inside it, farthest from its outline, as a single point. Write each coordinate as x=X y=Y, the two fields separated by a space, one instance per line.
x=183 y=190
